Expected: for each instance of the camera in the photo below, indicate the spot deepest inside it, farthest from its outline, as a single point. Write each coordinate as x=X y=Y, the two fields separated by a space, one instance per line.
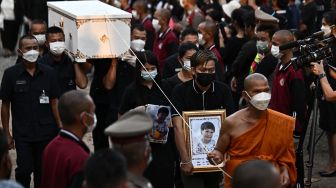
x=311 y=49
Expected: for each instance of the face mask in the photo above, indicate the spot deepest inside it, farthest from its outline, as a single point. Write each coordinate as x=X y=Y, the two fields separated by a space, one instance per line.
x=260 y=101
x=276 y=52
x=201 y=41
x=138 y=45
x=326 y=30
x=156 y=25
x=181 y=3
x=186 y=65
x=90 y=128
x=40 y=39
x=57 y=48
x=135 y=14
x=205 y=79
x=31 y=56
x=148 y=75
x=262 y=46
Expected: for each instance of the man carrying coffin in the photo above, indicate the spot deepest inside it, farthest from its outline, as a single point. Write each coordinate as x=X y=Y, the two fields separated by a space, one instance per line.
x=70 y=73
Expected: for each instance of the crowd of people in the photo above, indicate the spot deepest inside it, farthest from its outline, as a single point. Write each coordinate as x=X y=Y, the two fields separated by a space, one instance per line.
x=189 y=55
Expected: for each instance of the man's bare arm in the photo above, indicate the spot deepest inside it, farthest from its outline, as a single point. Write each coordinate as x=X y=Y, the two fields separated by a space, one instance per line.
x=186 y=166
x=5 y=114
x=54 y=108
x=80 y=77
x=222 y=144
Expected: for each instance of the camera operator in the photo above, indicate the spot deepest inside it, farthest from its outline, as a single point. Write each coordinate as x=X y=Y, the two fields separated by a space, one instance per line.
x=288 y=87
x=327 y=105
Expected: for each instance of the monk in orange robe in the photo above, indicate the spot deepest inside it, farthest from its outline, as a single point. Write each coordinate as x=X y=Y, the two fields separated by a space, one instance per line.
x=256 y=132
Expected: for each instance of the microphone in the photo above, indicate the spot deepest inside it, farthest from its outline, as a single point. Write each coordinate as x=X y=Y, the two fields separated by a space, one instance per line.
x=293 y=44
x=318 y=34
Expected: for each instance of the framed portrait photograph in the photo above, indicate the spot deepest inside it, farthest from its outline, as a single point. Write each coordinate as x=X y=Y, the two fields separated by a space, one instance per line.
x=161 y=116
x=201 y=136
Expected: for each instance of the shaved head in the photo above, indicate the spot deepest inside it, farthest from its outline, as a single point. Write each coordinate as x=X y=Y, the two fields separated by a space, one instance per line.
x=141 y=5
x=256 y=174
x=284 y=36
x=164 y=14
x=252 y=79
x=210 y=27
x=72 y=104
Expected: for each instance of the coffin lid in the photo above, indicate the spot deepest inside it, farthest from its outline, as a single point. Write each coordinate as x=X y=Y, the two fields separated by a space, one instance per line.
x=88 y=9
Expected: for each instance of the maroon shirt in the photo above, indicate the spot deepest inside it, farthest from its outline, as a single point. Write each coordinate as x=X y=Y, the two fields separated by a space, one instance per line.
x=150 y=33
x=165 y=45
x=63 y=159
x=288 y=93
x=219 y=57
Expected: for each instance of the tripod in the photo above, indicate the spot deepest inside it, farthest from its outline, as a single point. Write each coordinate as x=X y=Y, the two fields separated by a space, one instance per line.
x=312 y=135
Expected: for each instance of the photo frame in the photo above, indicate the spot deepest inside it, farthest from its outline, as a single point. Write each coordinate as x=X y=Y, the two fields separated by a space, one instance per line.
x=202 y=136
x=161 y=116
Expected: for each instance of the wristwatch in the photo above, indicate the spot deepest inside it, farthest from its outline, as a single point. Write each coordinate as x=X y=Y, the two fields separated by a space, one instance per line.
x=320 y=76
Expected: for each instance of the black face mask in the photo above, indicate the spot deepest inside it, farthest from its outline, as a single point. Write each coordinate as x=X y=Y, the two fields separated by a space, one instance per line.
x=205 y=79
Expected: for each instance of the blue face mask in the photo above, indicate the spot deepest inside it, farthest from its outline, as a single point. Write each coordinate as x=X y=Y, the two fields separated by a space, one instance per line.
x=262 y=46
x=149 y=75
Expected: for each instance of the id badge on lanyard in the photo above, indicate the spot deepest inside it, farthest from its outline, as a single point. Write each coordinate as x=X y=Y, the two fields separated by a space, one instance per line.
x=43 y=98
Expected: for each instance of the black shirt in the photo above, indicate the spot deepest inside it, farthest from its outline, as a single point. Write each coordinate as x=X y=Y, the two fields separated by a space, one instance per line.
x=31 y=119
x=188 y=97
x=241 y=65
x=231 y=50
x=267 y=66
x=172 y=82
x=125 y=76
x=171 y=66
x=134 y=97
x=65 y=71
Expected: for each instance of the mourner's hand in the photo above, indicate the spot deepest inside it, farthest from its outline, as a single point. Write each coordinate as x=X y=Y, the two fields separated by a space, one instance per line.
x=215 y=157
x=234 y=84
x=284 y=177
x=317 y=68
x=10 y=140
x=187 y=168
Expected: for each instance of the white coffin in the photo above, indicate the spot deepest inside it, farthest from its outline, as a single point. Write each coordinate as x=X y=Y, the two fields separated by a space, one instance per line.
x=92 y=29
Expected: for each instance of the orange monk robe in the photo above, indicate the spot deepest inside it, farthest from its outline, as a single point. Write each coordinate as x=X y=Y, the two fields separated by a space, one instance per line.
x=270 y=139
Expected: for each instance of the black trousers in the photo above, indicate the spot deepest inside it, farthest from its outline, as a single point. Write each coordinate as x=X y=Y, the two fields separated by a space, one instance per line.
x=29 y=160
x=104 y=118
x=9 y=35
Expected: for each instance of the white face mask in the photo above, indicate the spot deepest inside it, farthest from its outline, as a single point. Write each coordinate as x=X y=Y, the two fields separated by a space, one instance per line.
x=135 y=14
x=276 y=52
x=326 y=30
x=138 y=45
x=260 y=101
x=31 y=56
x=156 y=25
x=182 y=3
x=40 y=39
x=186 y=65
x=90 y=128
x=201 y=41
x=57 y=48
x=149 y=75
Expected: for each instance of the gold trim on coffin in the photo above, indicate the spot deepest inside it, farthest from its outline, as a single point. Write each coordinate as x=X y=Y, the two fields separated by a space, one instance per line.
x=80 y=22
x=80 y=55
